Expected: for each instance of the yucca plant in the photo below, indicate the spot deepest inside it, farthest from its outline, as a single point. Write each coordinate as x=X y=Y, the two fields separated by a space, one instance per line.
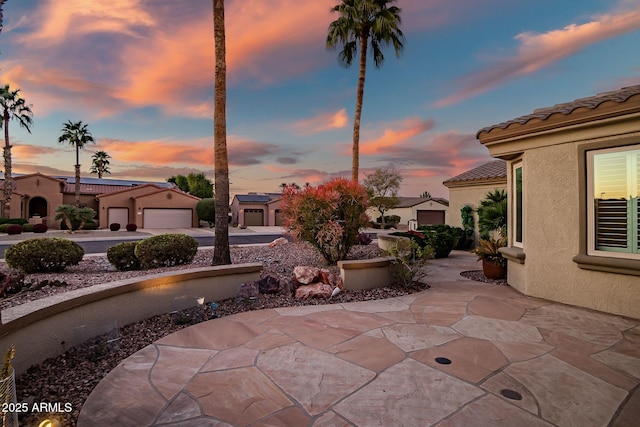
x=488 y=250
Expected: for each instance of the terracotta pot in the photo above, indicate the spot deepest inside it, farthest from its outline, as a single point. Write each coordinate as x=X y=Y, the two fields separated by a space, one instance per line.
x=493 y=271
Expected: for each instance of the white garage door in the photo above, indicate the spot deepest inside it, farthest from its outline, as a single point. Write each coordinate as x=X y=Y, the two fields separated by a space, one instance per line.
x=166 y=218
x=118 y=216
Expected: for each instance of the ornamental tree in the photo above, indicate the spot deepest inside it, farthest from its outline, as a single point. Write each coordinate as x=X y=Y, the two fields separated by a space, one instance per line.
x=328 y=216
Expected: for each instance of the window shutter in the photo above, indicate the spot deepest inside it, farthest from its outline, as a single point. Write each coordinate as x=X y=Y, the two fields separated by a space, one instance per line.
x=611 y=224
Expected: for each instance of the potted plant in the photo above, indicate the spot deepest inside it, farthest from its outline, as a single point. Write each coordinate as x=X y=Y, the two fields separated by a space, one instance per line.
x=8 y=390
x=494 y=265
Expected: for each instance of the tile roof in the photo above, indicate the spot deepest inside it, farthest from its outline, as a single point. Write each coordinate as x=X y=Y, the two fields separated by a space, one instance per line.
x=566 y=108
x=494 y=169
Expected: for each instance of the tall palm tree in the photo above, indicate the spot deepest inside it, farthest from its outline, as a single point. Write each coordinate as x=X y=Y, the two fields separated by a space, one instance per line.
x=13 y=107
x=221 y=252
x=362 y=22
x=76 y=134
x=100 y=163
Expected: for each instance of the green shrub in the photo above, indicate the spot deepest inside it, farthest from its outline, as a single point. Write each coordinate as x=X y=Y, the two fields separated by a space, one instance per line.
x=3 y=228
x=440 y=238
x=206 y=210
x=165 y=250
x=27 y=228
x=122 y=256
x=90 y=225
x=19 y=221
x=46 y=255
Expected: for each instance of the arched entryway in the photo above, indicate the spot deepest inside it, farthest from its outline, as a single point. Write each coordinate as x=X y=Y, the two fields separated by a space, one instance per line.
x=37 y=206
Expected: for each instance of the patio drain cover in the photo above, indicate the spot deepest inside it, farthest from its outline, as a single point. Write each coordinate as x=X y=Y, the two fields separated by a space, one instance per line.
x=443 y=361
x=511 y=394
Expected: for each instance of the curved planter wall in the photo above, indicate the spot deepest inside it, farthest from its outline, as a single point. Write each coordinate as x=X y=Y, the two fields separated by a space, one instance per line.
x=45 y=328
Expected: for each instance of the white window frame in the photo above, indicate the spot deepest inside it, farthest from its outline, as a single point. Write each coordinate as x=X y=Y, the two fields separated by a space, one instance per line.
x=514 y=206
x=591 y=239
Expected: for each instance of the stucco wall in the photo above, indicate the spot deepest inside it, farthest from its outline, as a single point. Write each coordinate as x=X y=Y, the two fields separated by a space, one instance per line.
x=122 y=199
x=166 y=199
x=551 y=239
x=469 y=195
x=37 y=186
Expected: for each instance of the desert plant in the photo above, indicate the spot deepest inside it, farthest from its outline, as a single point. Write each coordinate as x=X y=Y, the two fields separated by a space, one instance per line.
x=114 y=226
x=40 y=228
x=328 y=216
x=131 y=227
x=492 y=214
x=165 y=250
x=122 y=256
x=14 y=229
x=206 y=211
x=46 y=255
x=20 y=221
x=364 y=239
x=84 y=216
x=4 y=227
x=90 y=225
x=11 y=283
x=409 y=260
x=488 y=250
x=66 y=213
x=27 y=228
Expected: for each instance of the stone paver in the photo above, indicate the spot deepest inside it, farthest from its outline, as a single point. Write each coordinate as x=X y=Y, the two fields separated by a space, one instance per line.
x=515 y=361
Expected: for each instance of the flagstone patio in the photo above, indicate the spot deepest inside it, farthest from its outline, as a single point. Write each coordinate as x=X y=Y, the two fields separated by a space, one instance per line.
x=462 y=353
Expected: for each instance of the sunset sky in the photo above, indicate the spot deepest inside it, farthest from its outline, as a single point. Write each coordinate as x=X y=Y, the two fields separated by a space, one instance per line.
x=140 y=73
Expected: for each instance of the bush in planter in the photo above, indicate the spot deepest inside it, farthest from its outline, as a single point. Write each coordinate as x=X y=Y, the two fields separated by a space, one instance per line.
x=39 y=228
x=114 y=226
x=122 y=256
x=165 y=250
x=493 y=263
x=14 y=229
x=46 y=255
x=131 y=227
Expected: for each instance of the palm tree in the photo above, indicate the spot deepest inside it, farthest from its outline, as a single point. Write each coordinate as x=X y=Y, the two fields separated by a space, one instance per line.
x=100 y=163
x=361 y=22
x=221 y=252
x=492 y=214
x=13 y=107
x=76 y=134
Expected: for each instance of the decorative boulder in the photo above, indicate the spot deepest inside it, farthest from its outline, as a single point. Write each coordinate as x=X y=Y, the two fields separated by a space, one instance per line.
x=305 y=275
x=317 y=290
x=278 y=242
x=269 y=285
x=249 y=290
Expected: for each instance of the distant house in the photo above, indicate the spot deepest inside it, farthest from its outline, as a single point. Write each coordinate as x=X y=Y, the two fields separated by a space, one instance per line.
x=256 y=209
x=471 y=187
x=426 y=211
x=573 y=180
x=37 y=196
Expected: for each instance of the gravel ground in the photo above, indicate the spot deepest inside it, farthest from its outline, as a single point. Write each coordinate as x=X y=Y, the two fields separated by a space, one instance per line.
x=72 y=376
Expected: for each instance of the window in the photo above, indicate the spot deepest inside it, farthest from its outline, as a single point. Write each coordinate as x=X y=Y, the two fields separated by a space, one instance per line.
x=613 y=205
x=516 y=190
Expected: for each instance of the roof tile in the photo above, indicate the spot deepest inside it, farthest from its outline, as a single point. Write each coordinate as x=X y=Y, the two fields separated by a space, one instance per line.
x=490 y=170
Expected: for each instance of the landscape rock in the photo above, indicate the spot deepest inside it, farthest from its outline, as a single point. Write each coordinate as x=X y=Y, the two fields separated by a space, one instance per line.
x=269 y=285
x=278 y=242
x=316 y=290
x=249 y=290
x=305 y=275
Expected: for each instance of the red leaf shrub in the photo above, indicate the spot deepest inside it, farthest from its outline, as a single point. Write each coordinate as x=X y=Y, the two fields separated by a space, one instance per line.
x=328 y=216
x=40 y=228
x=132 y=227
x=14 y=229
x=114 y=226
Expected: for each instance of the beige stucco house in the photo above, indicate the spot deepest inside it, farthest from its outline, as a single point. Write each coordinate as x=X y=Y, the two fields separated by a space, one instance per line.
x=425 y=211
x=256 y=209
x=37 y=196
x=471 y=187
x=573 y=178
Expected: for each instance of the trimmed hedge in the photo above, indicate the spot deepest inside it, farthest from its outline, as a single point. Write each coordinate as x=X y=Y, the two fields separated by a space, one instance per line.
x=40 y=228
x=132 y=227
x=46 y=255
x=122 y=256
x=14 y=229
x=165 y=250
x=114 y=226
x=19 y=221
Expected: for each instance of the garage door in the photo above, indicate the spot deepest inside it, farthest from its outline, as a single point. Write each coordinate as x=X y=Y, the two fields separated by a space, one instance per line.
x=253 y=217
x=279 y=217
x=118 y=216
x=427 y=217
x=166 y=218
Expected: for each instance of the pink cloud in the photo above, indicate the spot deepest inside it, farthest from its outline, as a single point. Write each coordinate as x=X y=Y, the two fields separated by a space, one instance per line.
x=401 y=132
x=321 y=122
x=537 y=51
x=30 y=151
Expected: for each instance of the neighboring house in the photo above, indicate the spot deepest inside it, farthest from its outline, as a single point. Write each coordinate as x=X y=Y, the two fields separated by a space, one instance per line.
x=256 y=209
x=37 y=196
x=471 y=187
x=573 y=178
x=148 y=206
x=426 y=211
